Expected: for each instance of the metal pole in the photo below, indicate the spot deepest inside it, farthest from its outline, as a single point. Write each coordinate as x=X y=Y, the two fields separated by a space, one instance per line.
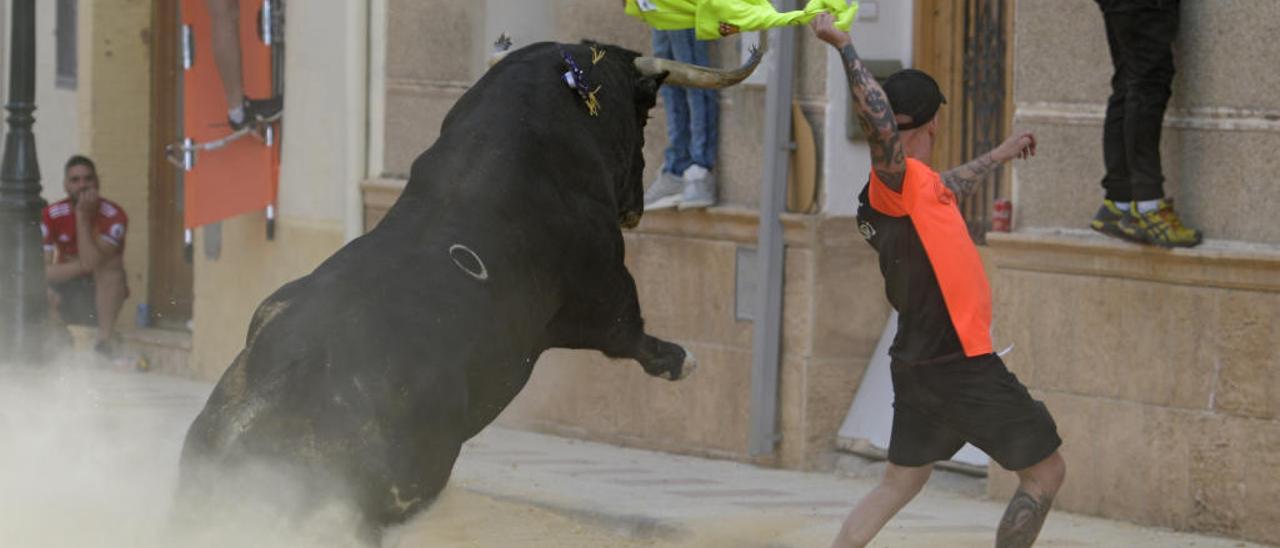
x=23 y=308
x=767 y=342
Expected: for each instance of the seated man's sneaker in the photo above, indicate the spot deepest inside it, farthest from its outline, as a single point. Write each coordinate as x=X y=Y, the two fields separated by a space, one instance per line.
x=665 y=191
x=105 y=349
x=1107 y=221
x=1160 y=227
x=699 y=188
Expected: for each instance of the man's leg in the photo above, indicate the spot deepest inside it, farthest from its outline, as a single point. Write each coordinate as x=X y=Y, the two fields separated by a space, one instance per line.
x=1026 y=512
x=1114 y=152
x=898 y=486
x=225 y=18
x=1148 y=45
x=704 y=111
x=675 y=102
x=699 y=189
x=109 y=281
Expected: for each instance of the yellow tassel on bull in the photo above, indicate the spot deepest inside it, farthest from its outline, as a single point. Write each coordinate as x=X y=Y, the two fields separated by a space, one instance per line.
x=710 y=17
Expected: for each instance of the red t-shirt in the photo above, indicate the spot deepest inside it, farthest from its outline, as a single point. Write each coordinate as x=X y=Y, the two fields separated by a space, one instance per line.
x=58 y=225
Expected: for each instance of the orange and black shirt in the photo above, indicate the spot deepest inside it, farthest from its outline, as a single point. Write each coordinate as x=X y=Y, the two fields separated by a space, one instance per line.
x=933 y=274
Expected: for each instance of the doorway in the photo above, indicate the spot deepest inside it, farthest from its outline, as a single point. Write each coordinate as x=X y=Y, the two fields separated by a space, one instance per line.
x=964 y=44
x=170 y=292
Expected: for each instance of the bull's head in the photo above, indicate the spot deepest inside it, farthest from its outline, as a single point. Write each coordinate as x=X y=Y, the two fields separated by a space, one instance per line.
x=623 y=114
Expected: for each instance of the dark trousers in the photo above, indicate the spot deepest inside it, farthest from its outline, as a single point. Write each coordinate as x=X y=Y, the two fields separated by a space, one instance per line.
x=1140 y=35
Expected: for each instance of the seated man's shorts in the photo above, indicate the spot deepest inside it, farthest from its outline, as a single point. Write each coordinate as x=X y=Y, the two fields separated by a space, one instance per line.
x=939 y=407
x=78 y=304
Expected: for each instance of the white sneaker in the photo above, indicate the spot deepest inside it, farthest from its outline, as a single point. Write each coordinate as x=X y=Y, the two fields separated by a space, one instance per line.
x=664 y=193
x=699 y=188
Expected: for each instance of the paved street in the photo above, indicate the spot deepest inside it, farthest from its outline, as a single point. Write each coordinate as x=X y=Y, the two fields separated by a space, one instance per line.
x=88 y=458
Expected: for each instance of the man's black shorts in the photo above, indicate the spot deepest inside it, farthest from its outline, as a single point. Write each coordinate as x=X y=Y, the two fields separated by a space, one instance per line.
x=78 y=301
x=939 y=407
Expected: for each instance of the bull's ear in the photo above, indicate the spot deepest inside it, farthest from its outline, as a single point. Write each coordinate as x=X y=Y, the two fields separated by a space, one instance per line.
x=647 y=90
x=654 y=81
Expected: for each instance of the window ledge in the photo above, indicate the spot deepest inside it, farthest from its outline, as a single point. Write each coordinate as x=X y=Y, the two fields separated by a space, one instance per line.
x=1215 y=263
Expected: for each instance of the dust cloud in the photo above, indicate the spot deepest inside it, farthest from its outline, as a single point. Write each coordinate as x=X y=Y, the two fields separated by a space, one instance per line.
x=89 y=458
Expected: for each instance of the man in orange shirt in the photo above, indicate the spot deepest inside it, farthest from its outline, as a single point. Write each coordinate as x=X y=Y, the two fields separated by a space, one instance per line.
x=84 y=237
x=949 y=387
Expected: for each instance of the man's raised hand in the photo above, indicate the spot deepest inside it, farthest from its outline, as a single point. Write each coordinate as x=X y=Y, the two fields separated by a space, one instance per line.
x=824 y=28
x=1020 y=145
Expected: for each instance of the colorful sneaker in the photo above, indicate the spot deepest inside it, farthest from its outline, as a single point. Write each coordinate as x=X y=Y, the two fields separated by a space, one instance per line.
x=665 y=192
x=699 y=188
x=1160 y=227
x=1107 y=221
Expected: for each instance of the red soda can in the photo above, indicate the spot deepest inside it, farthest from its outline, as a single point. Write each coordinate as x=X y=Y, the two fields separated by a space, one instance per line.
x=1001 y=215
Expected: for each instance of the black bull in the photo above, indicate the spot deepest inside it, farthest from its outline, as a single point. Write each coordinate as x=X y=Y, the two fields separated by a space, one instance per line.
x=368 y=374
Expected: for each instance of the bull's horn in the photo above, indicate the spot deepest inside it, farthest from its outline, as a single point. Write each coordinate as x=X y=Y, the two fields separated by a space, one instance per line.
x=694 y=76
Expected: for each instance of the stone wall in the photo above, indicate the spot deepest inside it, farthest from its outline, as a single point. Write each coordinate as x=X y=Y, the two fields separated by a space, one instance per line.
x=1222 y=127
x=1161 y=367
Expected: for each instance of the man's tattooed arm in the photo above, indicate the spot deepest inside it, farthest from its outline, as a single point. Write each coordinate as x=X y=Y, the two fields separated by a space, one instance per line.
x=1022 y=520
x=964 y=179
x=887 y=155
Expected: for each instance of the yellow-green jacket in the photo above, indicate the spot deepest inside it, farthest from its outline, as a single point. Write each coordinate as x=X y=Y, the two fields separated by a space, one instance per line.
x=746 y=15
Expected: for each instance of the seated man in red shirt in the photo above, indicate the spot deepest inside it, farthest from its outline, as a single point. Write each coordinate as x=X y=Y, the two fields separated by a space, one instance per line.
x=83 y=250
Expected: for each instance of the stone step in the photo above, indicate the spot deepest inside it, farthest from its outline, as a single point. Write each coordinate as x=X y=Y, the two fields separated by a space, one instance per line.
x=165 y=351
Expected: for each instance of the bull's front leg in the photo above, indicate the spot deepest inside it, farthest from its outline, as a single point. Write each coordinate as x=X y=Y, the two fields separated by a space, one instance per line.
x=606 y=317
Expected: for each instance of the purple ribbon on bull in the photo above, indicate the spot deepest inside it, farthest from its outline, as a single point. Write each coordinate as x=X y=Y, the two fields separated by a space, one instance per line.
x=576 y=79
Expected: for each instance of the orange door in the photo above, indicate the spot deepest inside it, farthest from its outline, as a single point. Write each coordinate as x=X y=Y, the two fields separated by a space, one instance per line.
x=241 y=176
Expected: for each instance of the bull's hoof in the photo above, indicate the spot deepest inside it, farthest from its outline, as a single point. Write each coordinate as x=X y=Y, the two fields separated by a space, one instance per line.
x=666 y=360
x=686 y=368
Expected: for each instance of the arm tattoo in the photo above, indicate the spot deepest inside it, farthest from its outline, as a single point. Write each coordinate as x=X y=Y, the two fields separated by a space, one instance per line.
x=964 y=179
x=1022 y=520
x=887 y=156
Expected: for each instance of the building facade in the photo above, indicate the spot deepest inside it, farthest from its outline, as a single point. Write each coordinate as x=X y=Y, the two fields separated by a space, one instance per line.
x=1162 y=368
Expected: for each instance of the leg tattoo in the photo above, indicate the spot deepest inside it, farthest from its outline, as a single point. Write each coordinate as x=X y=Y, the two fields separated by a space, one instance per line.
x=1022 y=520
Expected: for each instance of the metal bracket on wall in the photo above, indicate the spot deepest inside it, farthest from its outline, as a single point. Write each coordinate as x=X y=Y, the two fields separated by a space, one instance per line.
x=212 y=240
x=881 y=69
x=746 y=264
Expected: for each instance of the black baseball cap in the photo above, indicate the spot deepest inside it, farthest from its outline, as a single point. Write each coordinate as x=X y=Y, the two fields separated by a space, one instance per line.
x=915 y=94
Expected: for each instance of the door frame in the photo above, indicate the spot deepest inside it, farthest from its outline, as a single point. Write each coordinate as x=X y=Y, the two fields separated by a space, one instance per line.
x=947 y=37
x=170 y=292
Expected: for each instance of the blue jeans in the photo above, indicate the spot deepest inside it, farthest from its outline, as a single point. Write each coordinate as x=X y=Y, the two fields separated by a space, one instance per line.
x=693 y=115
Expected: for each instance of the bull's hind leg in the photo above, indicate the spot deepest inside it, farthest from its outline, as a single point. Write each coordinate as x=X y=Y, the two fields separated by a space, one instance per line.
x=606 y=317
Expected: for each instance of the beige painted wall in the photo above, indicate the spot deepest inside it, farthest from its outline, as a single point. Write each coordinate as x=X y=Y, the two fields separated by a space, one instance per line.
x=4 y=47
x=322 y=163
x=57 y=113
x=846 y=163
x=114 y=105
